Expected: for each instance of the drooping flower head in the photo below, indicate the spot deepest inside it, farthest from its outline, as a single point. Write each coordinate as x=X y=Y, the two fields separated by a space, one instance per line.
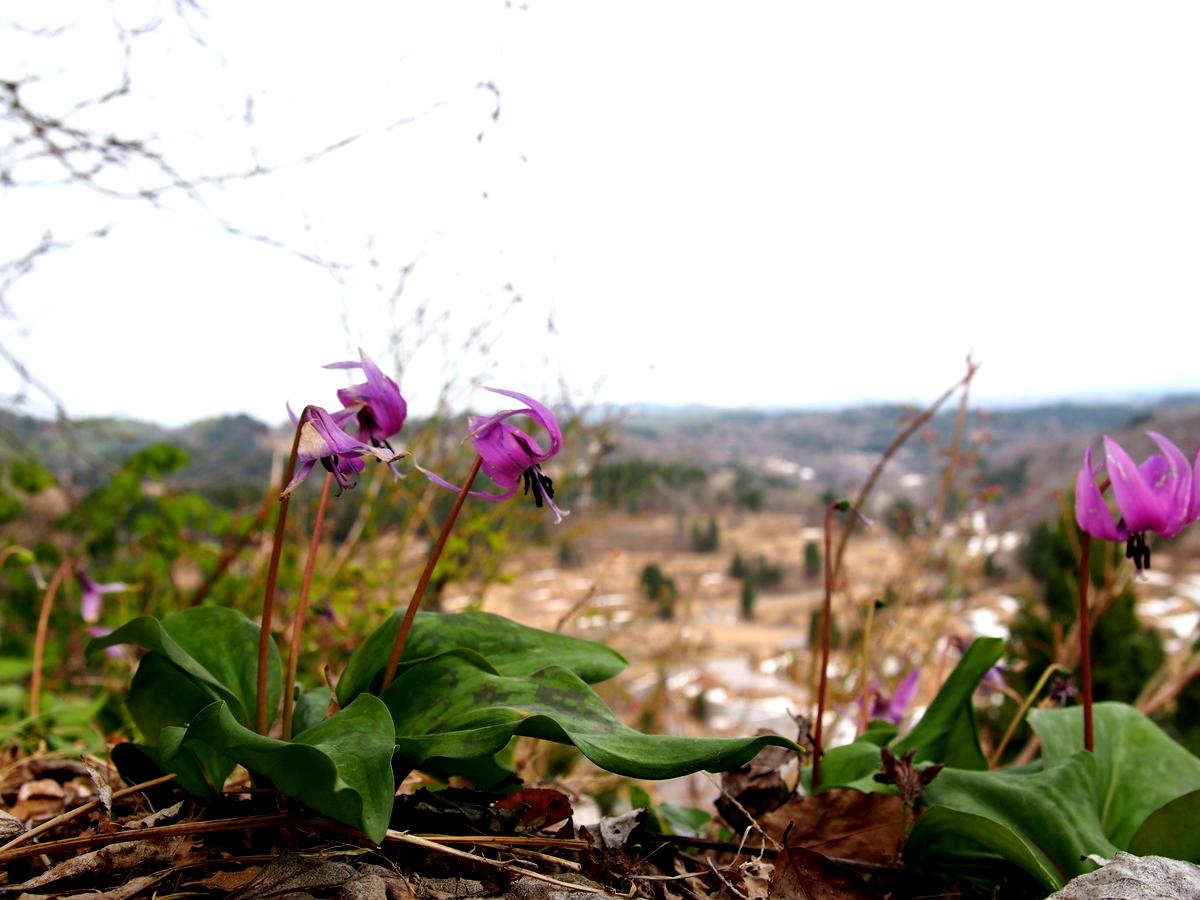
x=1161 y=495
x=894 y=708
x=322 y=441
x=511 y=457
x=376 y=404
x=91 y=592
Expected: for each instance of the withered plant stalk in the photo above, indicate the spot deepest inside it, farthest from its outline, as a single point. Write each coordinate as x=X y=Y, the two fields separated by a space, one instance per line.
x=264 y=633
x=39 y=642
x=1023 y=709
x=414 y=604
x=314 y=544
x=826 y=632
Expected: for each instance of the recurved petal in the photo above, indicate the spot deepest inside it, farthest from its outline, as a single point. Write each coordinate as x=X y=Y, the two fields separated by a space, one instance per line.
x=1140 y=507
x=539 y=413
x=1091 y=512
x=1172 y=483
x=442 y=482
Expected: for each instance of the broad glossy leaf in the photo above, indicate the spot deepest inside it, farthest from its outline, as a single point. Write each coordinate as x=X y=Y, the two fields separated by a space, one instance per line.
x=310 y=708
x=340 y=767
x=1140 y=767
x=849 y=766
x=456 y=706
x=218 y=647
x=512 y=648
x=948 y=732
x=162 y=700
x=1046 y=822
x=1172 y=830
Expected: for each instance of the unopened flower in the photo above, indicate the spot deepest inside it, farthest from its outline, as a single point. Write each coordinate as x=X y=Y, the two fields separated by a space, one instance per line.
x=91 y=592
x=511 y=457
x=376 y=404
x=321 y=440
x=1161 y=495
x=894 y=708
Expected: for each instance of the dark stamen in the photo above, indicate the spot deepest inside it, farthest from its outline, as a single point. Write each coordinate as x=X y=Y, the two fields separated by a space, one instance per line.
x=1138 y=550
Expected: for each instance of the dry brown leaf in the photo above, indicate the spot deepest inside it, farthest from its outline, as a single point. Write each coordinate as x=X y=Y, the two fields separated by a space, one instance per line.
x=103 y=788
x=539 y=807
x=227 y=881
x=291 y=876
x=39 y=799
x=10 y=826
x=756 y=788
x=756 y=879
x=116 y=858
x=128 y=890
x=802 y=874
x=842 y=822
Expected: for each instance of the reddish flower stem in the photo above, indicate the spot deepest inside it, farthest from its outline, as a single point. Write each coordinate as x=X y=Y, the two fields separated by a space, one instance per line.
x=826 y=637
x=414 y=604
x=298 y=620
x=1085 y=652
x=39 y=642
x=264 y=634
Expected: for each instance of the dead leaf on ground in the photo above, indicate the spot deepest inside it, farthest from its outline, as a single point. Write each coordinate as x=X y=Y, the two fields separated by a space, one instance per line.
x=39 y=799
x=127 y=891
x=103 y=788
x=226 y=881
x=614 y=832
x=756 y=879
x=802 y=874
x=842 y=822
x=538 y=807
x=121 y=857
x=291 y=876
x=756 y=788
x=10 y=826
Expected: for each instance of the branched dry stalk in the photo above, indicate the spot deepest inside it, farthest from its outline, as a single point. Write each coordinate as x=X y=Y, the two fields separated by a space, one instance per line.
x=891 y=450
x=39 y=643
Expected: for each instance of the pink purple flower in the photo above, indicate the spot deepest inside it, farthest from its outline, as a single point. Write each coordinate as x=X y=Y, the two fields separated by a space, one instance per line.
x=1161 y=495
x=321 y=440
x=91 y=592
x=894 y=708
x=513 y=458
x=376 y=404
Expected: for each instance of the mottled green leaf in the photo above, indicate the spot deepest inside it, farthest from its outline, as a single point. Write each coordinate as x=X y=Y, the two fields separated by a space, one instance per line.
x=1172 y=830
x=1140 y=767
x=457 y=706
x=1044 y=822
x=512 y=648
x=217 y=647
x=340 y=767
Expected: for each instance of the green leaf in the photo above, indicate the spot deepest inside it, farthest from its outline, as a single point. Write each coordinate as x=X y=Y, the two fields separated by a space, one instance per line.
x=1171 y=830
x=310 y=708
x=685 y=820
x=162 y=700
x=340 y=767
x=217 y=647
x=1140 y=767
x=948 y=732
x=1044 y=822
x=849 y=766
x=512 y=648
x=456 y=706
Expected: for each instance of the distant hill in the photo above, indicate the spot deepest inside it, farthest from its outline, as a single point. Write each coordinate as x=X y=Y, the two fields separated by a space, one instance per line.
x=1029 y=451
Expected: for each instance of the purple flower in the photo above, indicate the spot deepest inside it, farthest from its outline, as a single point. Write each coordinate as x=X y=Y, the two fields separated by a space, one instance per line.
x=1161 y=495
x=511 y=457
x=376 y=403
x=90 y=593
x=322 y=441
x=116 y=651
x=893 y=709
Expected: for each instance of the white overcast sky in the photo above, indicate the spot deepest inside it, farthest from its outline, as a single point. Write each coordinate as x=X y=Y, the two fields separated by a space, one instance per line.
x=725 y=203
